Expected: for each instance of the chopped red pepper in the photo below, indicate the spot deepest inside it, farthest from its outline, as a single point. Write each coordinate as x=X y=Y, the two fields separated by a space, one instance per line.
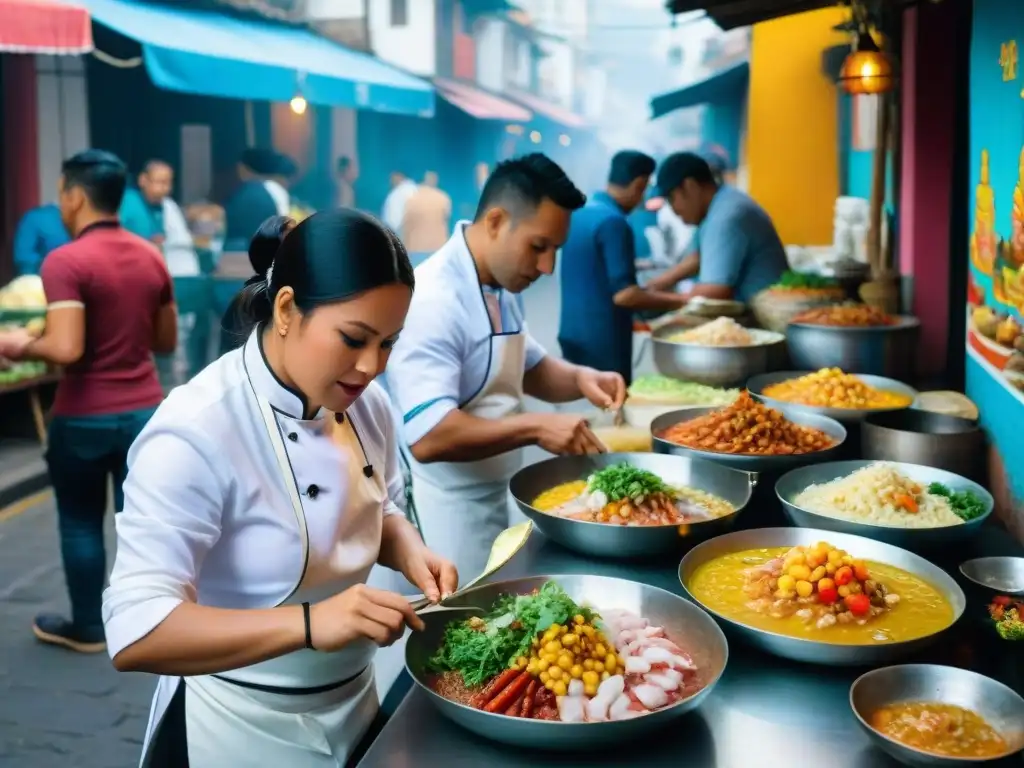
x=1001 y=600
x=828 y=595
x=859 y=605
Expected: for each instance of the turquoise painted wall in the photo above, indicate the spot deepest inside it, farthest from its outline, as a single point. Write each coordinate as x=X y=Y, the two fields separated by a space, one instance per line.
x=996 y=125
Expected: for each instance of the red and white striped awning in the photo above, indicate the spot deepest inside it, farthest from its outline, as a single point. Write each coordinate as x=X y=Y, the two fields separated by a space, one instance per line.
x=44 y=26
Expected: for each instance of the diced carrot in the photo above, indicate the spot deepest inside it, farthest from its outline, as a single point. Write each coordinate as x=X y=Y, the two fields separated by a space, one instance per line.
x=907 y=502
x=503 y=700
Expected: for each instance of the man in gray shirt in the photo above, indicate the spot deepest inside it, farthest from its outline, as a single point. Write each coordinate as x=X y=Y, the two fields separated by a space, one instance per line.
x=737 y=248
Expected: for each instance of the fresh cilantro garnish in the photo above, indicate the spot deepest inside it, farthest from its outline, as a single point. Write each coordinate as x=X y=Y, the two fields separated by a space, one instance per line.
x=624 y=481
x=965 y=504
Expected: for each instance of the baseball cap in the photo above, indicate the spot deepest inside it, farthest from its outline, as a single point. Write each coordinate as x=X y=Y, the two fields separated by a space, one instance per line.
x=679 y=167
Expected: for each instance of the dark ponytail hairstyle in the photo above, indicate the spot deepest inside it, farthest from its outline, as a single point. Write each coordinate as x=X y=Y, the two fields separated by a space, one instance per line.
x=328 y=257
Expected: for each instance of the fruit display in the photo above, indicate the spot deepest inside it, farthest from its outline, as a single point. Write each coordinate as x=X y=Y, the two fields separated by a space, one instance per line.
x=23 y=302
x=15 y=373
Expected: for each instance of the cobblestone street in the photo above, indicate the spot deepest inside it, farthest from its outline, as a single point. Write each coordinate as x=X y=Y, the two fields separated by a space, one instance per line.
x=58 y=709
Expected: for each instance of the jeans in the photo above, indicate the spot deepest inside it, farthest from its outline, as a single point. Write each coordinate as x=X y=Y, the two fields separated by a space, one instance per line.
x=83 y=454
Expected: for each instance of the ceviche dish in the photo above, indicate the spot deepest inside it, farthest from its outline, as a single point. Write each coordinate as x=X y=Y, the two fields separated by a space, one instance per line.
x=879 y=494
x=832 y=388
x=543 y=656
x=941 y=729
x=748 y=427
x=821 y=593
x=626 y=495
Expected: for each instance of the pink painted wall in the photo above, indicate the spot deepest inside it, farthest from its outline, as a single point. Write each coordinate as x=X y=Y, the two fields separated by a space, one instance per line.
x=928 y=87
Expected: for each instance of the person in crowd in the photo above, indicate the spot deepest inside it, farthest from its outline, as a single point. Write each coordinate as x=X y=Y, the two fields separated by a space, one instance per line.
x=402 y=188
x=110 y=307
x=346 y=177
x=426 y=223
x=599 y=286
x=39 y=232
x=151 y=213
x=240 y=575
x=736 y=251
x=251 y=203
x=466 y=359
x=279 y=182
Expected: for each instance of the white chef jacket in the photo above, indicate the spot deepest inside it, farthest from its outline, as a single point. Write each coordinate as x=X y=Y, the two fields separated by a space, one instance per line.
x=207 y=516
x=443 y=357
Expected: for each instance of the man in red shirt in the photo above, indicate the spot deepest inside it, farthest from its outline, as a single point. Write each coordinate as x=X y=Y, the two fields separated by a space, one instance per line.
x=110 y=307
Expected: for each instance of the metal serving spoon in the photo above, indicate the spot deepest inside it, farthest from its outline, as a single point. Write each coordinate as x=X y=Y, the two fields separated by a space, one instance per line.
x=504 y=548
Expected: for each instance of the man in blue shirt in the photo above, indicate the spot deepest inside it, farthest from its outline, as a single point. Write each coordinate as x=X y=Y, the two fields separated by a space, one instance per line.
x=598 y=273
x=740 y=253
x=39 y=232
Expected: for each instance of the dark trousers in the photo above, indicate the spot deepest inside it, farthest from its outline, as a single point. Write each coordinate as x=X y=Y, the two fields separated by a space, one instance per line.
x=84 y=453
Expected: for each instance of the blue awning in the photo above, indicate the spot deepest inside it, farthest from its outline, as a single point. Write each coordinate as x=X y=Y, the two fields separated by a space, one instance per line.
x=203 y=52
x=729 y=84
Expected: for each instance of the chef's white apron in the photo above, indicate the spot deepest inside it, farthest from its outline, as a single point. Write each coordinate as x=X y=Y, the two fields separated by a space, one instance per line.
x=290 y=711
x=463 y=506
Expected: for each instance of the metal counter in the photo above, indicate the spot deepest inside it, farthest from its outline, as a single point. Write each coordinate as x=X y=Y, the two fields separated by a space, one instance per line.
x=765 y=712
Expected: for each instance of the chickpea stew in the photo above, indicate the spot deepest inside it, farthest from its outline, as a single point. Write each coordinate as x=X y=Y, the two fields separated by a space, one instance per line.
x=821 y=593
x=832 y=388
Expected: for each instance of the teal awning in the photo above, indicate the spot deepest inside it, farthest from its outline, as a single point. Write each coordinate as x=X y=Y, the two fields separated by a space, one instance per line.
x=212 y=54
x=724 y=86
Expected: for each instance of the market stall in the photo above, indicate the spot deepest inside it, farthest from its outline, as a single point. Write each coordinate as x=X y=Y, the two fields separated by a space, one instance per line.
x=814 y=514
x=23 y=304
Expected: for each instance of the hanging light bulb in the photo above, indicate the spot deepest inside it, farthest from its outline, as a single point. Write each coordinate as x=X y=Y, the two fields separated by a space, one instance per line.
x=535 y=137
x=866 y=69
x=298 y=104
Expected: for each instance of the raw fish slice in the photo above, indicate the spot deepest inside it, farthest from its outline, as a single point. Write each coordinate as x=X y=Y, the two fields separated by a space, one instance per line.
x=597 y=709
x=572 y=709
x=612 y=688
x=651 y=696
x=637 y=665
x=663 y=680
x=622 y=709
x=576 y=688
x=642 y=643
x=664 y=656
x=624 y=638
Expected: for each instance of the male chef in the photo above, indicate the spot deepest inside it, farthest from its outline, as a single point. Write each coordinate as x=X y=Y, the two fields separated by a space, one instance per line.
x=465 y=360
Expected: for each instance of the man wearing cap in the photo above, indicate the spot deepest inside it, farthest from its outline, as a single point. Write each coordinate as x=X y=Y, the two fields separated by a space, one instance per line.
x=739 y=250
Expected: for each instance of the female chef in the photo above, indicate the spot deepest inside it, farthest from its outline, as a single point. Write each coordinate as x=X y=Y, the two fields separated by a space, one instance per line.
x=258 y=499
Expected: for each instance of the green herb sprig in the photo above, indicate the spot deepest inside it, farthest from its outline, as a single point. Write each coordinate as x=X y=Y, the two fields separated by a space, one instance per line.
x=966 y=504
x=624 y=481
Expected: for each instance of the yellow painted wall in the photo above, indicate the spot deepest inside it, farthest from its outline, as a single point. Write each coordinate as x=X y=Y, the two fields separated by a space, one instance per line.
x=792 y=134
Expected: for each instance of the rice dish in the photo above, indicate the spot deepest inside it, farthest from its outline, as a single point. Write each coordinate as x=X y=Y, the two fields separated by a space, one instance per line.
x=879 y=495
x=723 y=332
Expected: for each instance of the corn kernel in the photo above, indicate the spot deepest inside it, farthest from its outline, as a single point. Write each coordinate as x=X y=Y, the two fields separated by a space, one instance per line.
x=605 y=676
x=555 y=673
x=576 y=671
x=787 y=583
x=543 y=664
x=590 y=690
x=560 y=688
x=591 y=678
x=804 y=588
x=600 y=650
x=599 y=666
x=578 y=619
x=569 y=639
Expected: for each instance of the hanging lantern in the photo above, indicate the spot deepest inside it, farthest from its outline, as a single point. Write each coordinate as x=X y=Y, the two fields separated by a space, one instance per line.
x=867 y=70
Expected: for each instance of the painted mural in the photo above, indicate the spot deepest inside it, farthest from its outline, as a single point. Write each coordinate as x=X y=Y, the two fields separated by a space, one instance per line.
x=995 y=296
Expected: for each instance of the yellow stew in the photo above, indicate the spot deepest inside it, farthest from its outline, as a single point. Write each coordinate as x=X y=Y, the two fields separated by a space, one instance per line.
x=921 y=611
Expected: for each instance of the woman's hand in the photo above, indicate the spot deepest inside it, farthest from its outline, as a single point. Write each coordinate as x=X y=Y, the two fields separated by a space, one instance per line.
x=604 y=389
x=429 y=572
x=361 y=612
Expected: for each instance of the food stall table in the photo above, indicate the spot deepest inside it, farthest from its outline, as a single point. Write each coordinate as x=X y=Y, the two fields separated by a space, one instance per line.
x=765 y=711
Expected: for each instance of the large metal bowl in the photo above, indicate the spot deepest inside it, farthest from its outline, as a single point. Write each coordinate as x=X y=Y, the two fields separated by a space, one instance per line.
x=684 y=622
x=716 y=366
x=923 y=437
x=887 y=350
x=916 y=539
x=603 y=540
x=795 y=414
x=996 y=575
x=998 y=704
x=813 y=651
x=758 y=384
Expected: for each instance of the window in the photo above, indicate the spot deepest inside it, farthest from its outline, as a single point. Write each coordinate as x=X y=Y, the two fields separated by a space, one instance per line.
x=399 y=13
